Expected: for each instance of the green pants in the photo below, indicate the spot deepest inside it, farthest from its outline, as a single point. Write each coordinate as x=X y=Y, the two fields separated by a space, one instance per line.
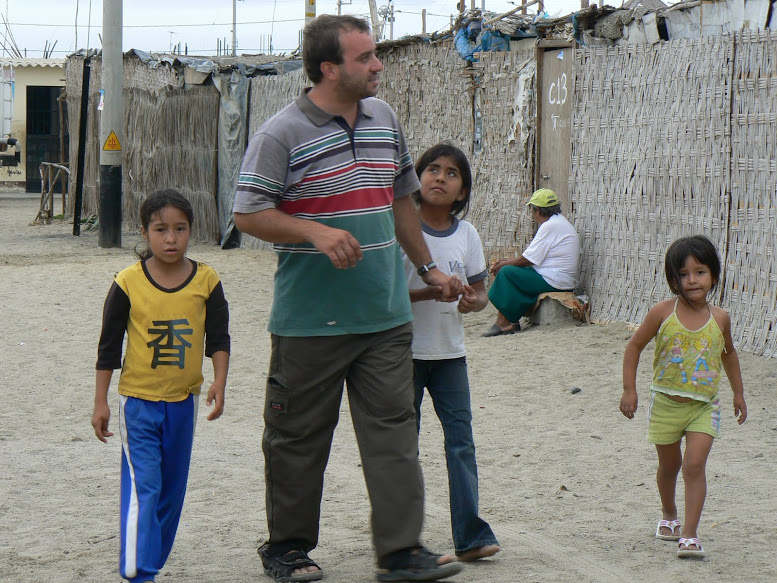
x=516 y=289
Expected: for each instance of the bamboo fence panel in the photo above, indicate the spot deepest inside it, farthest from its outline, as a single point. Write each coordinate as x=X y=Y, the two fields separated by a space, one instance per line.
x=503 y=171
x=271 y=93
x=436 y=93
x=169 y=141
x=430 y=89
x=750 y=280
x=181 y=155
x=649 y=164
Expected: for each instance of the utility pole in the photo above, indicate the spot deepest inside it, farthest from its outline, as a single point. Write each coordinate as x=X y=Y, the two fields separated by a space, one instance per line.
x=377 y=31
x=310 y=10
x=234 y=27
x=340 y=4
x=111 y=127
x=391 y=19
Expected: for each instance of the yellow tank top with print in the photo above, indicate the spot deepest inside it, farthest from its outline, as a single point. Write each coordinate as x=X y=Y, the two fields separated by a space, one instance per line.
x=687 y=362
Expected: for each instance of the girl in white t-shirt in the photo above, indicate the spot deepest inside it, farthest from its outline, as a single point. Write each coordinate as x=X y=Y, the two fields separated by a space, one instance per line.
x=439 y=361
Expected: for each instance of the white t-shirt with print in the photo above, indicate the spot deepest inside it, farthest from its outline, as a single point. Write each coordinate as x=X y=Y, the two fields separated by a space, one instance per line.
x=438 y=327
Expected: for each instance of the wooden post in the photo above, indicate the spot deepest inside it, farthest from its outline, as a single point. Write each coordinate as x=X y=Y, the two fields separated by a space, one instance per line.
x=62 y=145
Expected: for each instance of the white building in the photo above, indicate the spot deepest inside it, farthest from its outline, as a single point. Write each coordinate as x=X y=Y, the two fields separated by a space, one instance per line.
x=30 y=112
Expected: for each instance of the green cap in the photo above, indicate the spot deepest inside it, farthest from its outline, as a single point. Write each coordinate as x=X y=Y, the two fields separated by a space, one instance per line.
x=544 y=197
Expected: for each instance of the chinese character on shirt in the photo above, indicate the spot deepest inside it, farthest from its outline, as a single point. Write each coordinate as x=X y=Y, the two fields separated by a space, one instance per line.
x=170 y=347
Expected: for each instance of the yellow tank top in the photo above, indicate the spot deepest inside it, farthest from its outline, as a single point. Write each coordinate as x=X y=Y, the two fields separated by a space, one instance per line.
x=687 y=362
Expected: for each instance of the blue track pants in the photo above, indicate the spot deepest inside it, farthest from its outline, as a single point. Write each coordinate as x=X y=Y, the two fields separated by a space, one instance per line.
x=156 y=439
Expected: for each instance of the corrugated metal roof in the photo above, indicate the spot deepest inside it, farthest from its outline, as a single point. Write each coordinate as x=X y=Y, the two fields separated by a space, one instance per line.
x=31 y=62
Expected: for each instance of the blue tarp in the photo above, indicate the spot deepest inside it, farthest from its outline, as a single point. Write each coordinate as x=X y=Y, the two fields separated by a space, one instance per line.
x=490 y=40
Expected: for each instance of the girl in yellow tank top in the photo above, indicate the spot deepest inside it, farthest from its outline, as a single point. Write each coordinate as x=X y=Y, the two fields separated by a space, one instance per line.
x=693 y=341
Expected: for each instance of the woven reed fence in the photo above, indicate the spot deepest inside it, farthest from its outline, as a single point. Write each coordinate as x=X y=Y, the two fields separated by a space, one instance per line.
x=668 y=140
x=503 y=171
x=751 y=276
x=650 y=163
x=170 y=138
x=432 y=91
x=436 y=94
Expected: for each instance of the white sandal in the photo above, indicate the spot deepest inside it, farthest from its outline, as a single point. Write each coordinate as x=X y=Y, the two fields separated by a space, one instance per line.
x=673 y=525
x=684 y=548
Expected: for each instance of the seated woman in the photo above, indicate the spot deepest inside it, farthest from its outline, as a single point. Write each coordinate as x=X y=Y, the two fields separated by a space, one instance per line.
x=548 y=264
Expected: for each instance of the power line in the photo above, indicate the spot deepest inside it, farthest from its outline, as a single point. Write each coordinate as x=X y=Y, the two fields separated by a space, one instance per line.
x=162 y=25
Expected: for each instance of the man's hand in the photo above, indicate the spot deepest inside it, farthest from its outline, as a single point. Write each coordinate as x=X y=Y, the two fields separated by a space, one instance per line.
x=340 y=246
x=450 y=286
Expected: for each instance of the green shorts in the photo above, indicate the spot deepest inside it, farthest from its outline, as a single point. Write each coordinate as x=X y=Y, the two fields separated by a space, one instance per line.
x=669 y=420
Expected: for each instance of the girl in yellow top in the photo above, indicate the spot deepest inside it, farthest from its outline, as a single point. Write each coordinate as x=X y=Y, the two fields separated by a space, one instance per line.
x=693 y=341
x=173 y=312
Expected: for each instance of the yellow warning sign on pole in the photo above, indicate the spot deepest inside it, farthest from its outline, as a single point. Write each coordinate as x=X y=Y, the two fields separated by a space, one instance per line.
x=112 y=143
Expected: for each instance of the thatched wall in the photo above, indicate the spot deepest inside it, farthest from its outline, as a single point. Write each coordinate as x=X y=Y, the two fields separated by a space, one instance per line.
x=750 y=281
x=504 y=169
x=436 y=94
x=270 y=94
x=74 y=70
x=668 y=140
x=672 y=140
x=649 y=163
x=170 y=140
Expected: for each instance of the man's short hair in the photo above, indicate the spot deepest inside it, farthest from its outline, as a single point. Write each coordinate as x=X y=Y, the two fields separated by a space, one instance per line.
x=321 y=41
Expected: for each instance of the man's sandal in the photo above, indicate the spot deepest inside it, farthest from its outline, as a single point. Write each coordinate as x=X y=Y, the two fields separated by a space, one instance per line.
x=415 y=564
x=672 y=525
x=281 y=566
x=684 y=548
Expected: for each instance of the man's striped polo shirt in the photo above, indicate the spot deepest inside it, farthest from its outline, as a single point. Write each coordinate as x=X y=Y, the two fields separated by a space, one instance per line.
x=312 y=165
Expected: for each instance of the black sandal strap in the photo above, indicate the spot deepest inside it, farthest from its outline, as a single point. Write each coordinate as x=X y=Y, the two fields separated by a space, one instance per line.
x=281 y=565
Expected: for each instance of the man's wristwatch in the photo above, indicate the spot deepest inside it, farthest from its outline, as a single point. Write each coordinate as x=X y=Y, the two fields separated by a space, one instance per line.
x=426 y=268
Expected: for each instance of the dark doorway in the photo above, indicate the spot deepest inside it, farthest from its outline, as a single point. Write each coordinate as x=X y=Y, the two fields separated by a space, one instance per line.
x=42 y=132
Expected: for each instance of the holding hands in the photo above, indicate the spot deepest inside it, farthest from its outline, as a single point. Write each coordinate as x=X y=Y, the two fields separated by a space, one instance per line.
x=449 y=286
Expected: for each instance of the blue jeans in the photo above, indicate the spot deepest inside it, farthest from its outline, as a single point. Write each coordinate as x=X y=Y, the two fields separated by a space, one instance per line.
x=448 y=385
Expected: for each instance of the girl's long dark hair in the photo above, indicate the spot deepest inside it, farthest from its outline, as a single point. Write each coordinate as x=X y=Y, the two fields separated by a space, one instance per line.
x=697 y=246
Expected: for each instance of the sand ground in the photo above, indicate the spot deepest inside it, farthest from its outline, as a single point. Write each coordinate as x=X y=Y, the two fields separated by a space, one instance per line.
x=566 y=482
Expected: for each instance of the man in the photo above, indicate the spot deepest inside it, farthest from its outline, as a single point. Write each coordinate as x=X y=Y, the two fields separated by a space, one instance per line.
x=550 y=263
x=327 y=181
